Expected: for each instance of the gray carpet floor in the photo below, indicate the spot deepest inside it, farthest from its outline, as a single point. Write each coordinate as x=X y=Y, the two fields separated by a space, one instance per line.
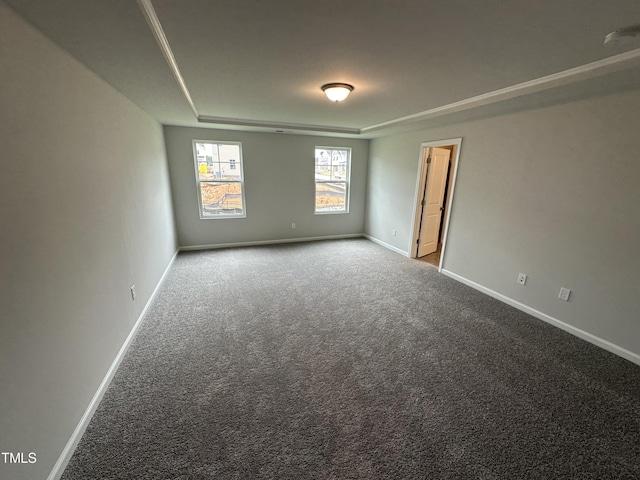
x=343 y=360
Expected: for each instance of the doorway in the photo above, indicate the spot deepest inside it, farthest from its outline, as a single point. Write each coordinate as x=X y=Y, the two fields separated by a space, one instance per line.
x=434 y=194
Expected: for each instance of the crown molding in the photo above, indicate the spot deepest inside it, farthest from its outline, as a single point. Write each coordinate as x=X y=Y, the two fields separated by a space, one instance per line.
x=590 y=70
x=152 y=19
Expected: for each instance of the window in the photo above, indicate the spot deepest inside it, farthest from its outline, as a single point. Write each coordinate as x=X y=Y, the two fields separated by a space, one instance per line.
x=219 y=179
x=333 y=167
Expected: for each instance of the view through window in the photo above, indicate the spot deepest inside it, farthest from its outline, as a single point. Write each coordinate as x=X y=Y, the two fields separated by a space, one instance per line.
x=332 y=171
x=219 y=176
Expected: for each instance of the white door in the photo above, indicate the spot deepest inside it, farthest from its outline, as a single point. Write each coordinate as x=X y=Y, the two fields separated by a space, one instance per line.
x=438 y=166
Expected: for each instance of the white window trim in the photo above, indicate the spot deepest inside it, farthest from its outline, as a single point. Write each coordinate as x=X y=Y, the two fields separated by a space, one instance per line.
x=198 y=181
x=347 y=182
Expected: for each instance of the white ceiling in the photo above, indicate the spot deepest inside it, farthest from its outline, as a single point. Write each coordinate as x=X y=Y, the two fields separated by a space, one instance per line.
x=259 y=64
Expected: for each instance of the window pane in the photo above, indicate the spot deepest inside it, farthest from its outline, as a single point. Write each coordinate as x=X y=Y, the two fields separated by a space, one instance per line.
x=204 y=159
x=331 y=164
x=339 y=164
x=331 y=197
x=221 y=199
x=323 y=164
x=218 y=161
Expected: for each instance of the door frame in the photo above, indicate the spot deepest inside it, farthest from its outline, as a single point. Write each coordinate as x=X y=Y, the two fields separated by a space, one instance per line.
x=421 y=182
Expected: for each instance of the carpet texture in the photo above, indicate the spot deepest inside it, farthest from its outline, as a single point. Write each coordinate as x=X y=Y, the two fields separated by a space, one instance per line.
x=343 y=360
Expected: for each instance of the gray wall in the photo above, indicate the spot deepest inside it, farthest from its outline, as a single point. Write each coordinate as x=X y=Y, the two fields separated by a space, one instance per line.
x=552 y=192
x=279 y=188
x=85 y=212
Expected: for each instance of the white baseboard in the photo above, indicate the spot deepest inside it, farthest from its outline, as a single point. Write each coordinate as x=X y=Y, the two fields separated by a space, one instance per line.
x=269 y=242
x=611 y=347
x=386 y=245
x=71 y=445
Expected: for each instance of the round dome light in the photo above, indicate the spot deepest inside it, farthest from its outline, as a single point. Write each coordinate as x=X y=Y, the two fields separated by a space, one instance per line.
x=337 y=92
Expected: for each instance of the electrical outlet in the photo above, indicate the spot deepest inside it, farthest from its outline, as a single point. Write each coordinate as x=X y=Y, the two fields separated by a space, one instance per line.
x=133 y=292
x=564 y=294
x=393 y=232
x=293 y=226
x=522 y=279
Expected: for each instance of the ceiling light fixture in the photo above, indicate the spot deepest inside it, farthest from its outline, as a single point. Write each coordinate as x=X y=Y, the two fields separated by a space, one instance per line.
x=336 y=92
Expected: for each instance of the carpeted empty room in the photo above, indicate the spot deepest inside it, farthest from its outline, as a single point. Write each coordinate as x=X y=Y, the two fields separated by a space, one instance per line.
x=344 y=360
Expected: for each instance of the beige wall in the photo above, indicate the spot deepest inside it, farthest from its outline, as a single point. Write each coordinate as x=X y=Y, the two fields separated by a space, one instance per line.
x=551 y=192
x=85 y=212
x=279 y=188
